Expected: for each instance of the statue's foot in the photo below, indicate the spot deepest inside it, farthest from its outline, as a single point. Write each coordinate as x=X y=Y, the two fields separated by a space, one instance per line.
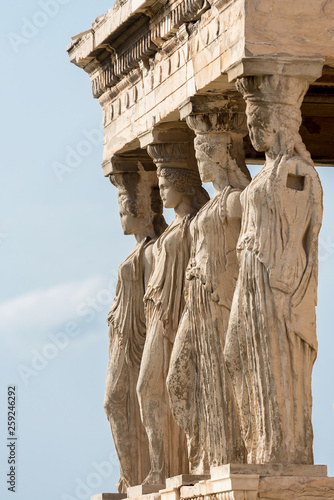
x=122 y=485
x=155 y=478
x=200 y=466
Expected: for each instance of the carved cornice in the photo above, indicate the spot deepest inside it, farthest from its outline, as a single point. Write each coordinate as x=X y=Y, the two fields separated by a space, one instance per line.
x=204 y=56
x=179 y=13
x=107 y=64
x=142 y=48
x=106 y=78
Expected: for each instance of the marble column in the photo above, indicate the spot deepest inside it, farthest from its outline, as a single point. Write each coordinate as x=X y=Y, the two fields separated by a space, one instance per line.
x=134 y=175
x=171 y=148
x=198 y=382
x=271 y=342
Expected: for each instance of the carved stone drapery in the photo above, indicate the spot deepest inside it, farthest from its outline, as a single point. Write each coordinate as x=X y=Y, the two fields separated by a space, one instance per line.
x=271 y=342
x=180 y=188
x=141 y=215
x=210 y=417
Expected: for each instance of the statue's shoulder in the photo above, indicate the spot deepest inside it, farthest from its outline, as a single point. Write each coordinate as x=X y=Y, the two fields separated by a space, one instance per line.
x=298 y=163
x=298 y=169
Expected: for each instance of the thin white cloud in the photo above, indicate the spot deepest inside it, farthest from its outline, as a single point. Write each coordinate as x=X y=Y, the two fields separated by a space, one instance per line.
x=27 y=321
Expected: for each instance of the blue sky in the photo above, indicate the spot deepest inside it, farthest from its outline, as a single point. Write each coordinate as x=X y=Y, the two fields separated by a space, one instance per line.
x=60 y=246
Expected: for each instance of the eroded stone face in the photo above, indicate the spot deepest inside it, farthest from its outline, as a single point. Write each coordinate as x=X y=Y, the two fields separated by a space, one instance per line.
x=262 y=127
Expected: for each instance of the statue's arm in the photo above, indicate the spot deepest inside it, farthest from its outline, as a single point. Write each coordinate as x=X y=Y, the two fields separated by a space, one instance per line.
x=294 y=199
x=233 y=206
x=191 y=232
x=148 y=260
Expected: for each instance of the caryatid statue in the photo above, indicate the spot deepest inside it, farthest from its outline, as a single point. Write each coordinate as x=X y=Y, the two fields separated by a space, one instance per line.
x=198 y=383
x=140 y=209
x=181 y=189
x=271 y=342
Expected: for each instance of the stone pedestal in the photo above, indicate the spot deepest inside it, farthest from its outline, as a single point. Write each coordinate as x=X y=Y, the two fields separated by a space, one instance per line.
x=241 y=482
x=108 y=496
x=264 y=470
x=265 y=482
x=174 y=484
x=227 y=486
x=296 y=488
x=144 y=490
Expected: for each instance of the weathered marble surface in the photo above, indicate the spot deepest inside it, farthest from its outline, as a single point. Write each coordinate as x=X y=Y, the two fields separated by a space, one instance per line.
x=199 y=386
x=271 y=342
x=186 y=47
x=141 y=216
x=108 y=496
x=264 y=470
x=255 y=485
x=181 y=190
x=306 y=28
x=213 y=328
x=296 y=488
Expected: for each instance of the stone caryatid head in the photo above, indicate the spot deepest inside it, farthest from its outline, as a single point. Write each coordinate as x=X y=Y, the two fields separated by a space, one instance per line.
x=219 y=145
x=139 y=200
x=273 y=113
x=179 y=179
